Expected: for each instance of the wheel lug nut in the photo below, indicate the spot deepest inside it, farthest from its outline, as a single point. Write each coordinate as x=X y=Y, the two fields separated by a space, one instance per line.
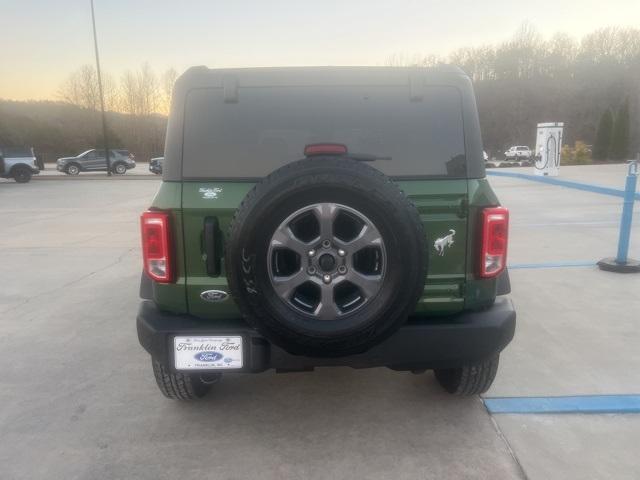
x=342 y=269
x=341 y=253
x=311 y=253
x=326 y=278
x=326 y=243
x=311 y=270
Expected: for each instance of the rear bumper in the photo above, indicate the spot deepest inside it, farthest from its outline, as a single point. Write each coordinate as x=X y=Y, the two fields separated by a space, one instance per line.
x=420 y=344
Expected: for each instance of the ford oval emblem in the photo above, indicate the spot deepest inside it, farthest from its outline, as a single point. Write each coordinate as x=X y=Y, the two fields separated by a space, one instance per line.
x=207 y=356
x=214 y=295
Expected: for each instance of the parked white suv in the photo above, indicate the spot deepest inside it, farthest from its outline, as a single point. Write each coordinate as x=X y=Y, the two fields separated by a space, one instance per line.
x=518 y=152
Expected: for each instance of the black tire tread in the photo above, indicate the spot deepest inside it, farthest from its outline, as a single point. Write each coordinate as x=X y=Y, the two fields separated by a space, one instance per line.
x=17 y=170
x=116 y=165
x=472 y=379
x=178 y=386
x=241 y=212
x=66 y=168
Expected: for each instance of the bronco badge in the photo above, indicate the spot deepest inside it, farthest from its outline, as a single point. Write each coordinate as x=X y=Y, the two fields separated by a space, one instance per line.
x=210 y=193
x=444 y=242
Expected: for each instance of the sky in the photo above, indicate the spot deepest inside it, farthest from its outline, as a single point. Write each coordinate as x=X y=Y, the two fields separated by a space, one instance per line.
x=43 y=41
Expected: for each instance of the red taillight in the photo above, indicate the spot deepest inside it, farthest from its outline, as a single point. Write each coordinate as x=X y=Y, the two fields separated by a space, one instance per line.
x=325 y=149
x=495 y=237
x=156 y=246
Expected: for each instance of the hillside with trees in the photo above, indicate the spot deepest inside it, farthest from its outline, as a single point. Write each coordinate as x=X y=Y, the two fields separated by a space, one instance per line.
x=136 y=115
x=527 y=80
x=57 y=129
x=591 y=84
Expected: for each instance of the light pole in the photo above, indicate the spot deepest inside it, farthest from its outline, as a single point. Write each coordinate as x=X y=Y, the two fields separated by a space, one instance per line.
x=104 y=117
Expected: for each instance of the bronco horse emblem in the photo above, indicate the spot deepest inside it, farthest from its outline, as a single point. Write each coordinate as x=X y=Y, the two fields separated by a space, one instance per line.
x=444 y=242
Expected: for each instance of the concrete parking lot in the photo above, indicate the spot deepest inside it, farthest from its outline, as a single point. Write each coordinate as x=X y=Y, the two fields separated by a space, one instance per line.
x=77 y=397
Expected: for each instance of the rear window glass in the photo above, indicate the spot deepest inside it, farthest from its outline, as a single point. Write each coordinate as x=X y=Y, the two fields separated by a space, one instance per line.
x=269 y=127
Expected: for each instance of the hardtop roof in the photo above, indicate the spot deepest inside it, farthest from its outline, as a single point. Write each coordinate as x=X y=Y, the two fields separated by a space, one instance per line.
x=201 y=76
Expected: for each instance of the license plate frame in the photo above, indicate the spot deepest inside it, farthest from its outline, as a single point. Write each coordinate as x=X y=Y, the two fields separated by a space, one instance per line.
x=208 y=352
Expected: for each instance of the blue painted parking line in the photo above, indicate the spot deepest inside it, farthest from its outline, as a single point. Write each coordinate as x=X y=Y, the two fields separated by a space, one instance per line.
x=616 y=192
x=577 y=263
x=572 y=404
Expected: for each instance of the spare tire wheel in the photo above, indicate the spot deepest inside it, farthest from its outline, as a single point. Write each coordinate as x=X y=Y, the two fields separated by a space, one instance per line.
x=326 y=257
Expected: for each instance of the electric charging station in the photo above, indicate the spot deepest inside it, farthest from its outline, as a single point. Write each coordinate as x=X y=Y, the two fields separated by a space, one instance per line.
x=548 y=149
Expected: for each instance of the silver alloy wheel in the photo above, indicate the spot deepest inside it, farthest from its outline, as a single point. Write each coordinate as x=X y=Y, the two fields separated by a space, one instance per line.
x=73 y=170
x=120 y=169
x=326 y=260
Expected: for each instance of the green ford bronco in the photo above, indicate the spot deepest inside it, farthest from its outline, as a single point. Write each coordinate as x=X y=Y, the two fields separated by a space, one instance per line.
x=316 y=217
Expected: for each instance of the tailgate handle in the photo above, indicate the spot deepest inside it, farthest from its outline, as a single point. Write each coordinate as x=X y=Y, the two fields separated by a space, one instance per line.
x=212 y=245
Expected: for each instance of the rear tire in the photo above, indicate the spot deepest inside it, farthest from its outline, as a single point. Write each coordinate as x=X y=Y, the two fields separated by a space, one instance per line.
x=21 y=174
x=470 y=379
x=181 y=386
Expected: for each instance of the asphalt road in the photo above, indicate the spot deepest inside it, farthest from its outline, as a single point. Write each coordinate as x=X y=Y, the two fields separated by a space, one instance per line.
x=78 y=400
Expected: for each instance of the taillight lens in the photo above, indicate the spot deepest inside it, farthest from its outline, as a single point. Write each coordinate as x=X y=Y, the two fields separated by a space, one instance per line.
x=495 y=237
x=325 y=149
x=157 y=248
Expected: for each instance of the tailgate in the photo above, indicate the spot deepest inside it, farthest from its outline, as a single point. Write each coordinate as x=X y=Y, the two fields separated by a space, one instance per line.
x=442 y=205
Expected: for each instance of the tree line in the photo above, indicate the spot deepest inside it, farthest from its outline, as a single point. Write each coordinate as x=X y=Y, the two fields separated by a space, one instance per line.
x=58 y=129
x=137 y=104
x=591 y=84
x=529 y=79
x=141 y=93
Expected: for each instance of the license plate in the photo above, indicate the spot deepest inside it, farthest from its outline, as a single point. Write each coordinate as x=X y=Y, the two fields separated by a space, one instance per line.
x=207 y=353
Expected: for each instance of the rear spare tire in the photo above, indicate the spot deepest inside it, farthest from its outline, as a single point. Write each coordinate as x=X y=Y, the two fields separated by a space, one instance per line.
x=326 y=257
